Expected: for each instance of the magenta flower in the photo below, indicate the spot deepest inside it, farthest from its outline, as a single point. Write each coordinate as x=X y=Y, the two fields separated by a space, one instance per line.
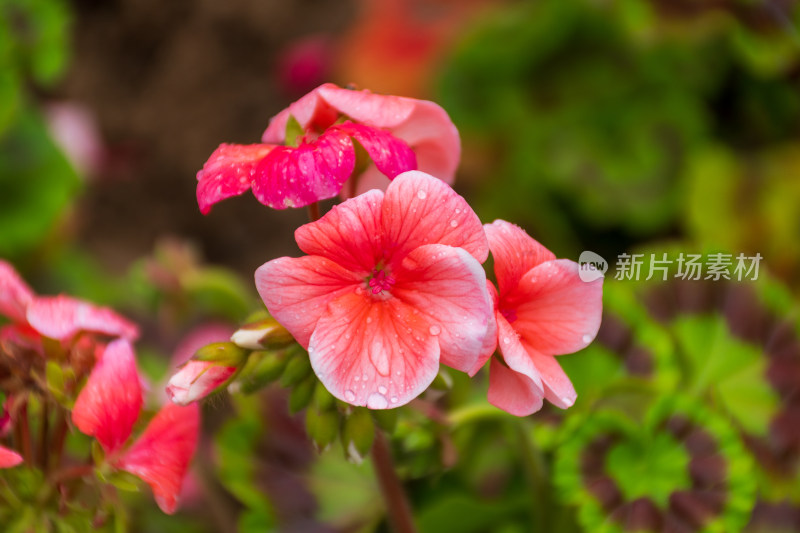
x=56 y=317
x=397 y=133
x=392 y=286
x=196 y=380
x=108 y=407
x=542 y=309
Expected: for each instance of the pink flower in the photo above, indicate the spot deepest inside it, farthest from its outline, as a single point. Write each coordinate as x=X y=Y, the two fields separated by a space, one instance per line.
x=398 y=134
x=9 y=458
x=392 y=286
x=108 y=407
x=542 y=309
x=196 y=380
x=57 y=317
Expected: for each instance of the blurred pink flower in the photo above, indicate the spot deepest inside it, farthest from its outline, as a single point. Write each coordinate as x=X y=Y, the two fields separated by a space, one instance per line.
x=162 y=454
x=397 y=133
x=57 y=317
x=392 y=286
x=9 y=458
x=542 y=309
x=196 y=380
x=108 y=407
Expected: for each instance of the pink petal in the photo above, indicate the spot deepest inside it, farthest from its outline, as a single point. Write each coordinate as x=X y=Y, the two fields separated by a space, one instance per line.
x=556 y=312
x=515 y=354
x=379 y=110
x=162 y=454
x=374 y=352
x=434 y=138
x=511 y=391
x=514 y=252
x=109 y=404
x=419 y=209
x=228 y=172
x=347 y=234
x=490 y=340
x=422 y=125
x=391 y=155
x=447 y=286
x=196 y=380
x=296 y=177
x=558 y=389
x=61 y=317
x=15 y=295
x=296 y=291
x=9 y=458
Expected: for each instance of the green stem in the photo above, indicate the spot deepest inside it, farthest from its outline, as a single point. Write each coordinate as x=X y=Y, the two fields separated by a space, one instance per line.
x=25 y=434
x=535 y=472
x=44 y=437
x=394 y=496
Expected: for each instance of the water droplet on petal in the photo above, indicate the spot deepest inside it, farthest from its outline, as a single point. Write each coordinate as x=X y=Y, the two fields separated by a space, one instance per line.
x=506 y=340
x=377 y=401
x=369 y=319
x=587 y=339
x=394 y=399
x=435 y=330
x=349 y=395
x=422 y=195
x=382 y=389
x=453 y=223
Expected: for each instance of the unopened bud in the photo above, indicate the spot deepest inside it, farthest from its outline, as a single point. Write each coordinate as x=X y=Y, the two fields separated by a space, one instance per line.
x=262 y=369
x=222 y=354
x=301 y=394
x=386 y=419
x=358 y=434
x=296 y=370
x=323 y=400
x=264 y=333
x=322 y=427
x=196 y=380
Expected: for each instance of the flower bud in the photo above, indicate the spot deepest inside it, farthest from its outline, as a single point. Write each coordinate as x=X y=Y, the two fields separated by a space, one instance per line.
x=358 y=434
x=263 y=333
x=262 y=369
x=196 y=380
x=322 y=427
x=222 y=354
x=297 y=368
x=301 y=394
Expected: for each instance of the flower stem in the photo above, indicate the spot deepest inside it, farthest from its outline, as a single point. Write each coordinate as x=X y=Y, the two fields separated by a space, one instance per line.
x=397 y=504
x=25 y=434
x=44 y=439
x=60 y=437
x=313 y=211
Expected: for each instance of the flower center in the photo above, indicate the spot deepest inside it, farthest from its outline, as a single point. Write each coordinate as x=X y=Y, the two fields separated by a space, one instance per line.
x=509 y=314
x=379 y=281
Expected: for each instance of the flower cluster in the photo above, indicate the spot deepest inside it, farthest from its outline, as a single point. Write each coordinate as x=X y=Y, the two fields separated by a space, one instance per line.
x=86 y=357
x=393 y=285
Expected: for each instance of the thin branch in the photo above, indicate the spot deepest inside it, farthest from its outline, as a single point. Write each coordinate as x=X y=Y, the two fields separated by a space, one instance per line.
x=392 y=490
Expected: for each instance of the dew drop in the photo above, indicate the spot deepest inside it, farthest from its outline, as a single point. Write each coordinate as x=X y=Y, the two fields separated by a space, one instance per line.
x=349 y=395
x=435 y=330
x=422 y=195
x=506 y=340
x=382 y=389
x=369 y=319
x=394 y=399
x=587 y=338
x=357 y=378
x=377 y=401
x=453 y=223
x=364 y=377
